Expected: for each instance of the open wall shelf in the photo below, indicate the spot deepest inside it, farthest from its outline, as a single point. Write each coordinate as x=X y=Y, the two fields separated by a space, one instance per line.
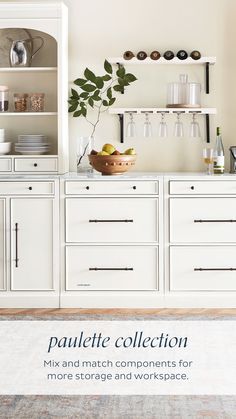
x=162 y=60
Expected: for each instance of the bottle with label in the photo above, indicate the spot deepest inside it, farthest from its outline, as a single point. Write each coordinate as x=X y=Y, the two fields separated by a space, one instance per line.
x=219 y=157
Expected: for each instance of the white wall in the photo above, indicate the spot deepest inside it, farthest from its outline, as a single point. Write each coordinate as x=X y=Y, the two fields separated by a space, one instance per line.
x=99 y=29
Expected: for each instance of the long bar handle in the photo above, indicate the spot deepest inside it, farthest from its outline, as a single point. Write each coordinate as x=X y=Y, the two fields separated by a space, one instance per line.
x=111 y=269
x=111 y=221
x=16 y=244
x=215 y=221
x=214 y=269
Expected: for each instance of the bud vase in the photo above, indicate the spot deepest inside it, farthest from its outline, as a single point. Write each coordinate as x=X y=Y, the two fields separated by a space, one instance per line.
x=84 y=147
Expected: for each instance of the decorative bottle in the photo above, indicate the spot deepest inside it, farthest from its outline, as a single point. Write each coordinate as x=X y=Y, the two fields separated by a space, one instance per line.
x=219 y=157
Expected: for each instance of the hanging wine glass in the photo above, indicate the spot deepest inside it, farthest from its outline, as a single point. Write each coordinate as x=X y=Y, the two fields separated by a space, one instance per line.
x=179 y=128
x=163 y=130
x=131 y=127
x=147 y=126
x=194 y=128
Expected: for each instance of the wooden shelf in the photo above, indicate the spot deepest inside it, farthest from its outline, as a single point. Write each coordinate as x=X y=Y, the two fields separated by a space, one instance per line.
x=27 y=69
x=203 y=111
x=162 y=61
x=28 y=114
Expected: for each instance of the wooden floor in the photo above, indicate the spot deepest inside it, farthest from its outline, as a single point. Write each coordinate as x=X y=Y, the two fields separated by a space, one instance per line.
x=119 y=312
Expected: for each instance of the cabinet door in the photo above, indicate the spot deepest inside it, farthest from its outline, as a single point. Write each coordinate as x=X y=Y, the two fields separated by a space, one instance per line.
x=2 y=244
x=32 y=244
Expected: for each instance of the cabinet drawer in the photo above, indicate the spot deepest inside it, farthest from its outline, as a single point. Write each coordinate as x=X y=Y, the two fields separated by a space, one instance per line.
x=111 y=268
x=36 y=165
x=111 y=220
x=26 y=188
x=203 y=268
x=202 y=187
x=5 y=165
x=111 y=187
x=196 y=220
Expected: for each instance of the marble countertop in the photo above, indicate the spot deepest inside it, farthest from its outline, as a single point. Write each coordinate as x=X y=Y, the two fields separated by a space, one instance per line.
x=126 y=176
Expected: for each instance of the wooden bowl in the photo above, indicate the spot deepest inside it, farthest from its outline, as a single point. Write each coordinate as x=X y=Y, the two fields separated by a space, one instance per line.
x=112 y=164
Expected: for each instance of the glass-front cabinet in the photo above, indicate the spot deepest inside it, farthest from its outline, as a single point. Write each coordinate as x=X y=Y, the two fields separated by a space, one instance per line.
x=33 y=88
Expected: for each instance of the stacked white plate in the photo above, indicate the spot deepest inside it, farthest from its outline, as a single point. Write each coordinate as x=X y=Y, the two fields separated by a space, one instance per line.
x=32 y=144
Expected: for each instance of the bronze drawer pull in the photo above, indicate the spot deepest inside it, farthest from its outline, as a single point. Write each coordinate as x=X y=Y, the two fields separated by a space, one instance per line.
x=215 y=221
x=111 y=269
x=111 y=221
x=16 y=232
x=214 y=269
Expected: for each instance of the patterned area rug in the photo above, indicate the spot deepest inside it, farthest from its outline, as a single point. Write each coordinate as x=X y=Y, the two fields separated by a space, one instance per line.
x=117 y=407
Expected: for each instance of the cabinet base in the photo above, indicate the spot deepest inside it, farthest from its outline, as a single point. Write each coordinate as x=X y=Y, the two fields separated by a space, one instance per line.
x=29 y=301
x=132 y=300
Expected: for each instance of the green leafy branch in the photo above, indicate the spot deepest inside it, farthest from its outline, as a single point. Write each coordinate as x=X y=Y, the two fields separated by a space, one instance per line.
x=98 y=92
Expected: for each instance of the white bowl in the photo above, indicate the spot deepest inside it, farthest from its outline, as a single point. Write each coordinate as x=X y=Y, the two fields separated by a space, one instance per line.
x=5 y=148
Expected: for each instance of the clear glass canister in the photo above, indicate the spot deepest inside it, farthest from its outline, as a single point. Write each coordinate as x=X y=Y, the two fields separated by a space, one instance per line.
x=176 y=92
x=20 y=102
x=4 y=98
x=193 y=97
x=37 y=102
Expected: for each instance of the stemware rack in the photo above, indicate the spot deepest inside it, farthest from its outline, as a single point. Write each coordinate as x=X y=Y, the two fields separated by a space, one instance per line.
x=168 y=111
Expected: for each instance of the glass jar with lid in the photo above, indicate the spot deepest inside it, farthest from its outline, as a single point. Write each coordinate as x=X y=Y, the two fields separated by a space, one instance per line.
x=37 y=102
x=4 y=98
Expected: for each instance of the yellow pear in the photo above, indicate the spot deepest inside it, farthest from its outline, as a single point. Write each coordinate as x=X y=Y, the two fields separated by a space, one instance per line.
x=130 y=151
x=102 y=153
x=108 y=148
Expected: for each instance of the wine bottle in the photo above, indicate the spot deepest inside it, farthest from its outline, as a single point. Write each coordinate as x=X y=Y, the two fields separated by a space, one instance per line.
x=182 y=55
x=195 y=55
x=141 y=55
x=155 y=55
x=168 y=55
x=219 y=158
x=128 y=55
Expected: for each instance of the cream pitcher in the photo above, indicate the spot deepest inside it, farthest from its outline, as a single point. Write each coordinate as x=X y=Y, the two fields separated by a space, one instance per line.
x=21 y=52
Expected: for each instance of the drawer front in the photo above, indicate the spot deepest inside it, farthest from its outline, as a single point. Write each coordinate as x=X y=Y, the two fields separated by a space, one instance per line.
x=206 y=220
x=5 y=165
x=111 y=187
x=36 y=165
x=111 y=220
x=203 y=268
x=26 y=188
x=202 y=187
x=111 y=268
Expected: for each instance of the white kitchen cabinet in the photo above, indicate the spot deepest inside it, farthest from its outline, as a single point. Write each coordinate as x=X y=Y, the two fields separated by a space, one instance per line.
x=2 y=244
x=111 y=242
x=29 y=243
x=200 y=227
x=32 y=243
x=47 y=73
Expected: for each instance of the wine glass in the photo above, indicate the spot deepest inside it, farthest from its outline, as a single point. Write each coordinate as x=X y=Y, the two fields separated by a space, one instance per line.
x=208 y=159
x=179 y=128
x=131 y=127
x=194 y=128
x=163 y=131
x=147 y=126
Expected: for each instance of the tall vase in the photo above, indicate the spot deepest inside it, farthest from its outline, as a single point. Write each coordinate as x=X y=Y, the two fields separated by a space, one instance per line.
x=84 y=147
